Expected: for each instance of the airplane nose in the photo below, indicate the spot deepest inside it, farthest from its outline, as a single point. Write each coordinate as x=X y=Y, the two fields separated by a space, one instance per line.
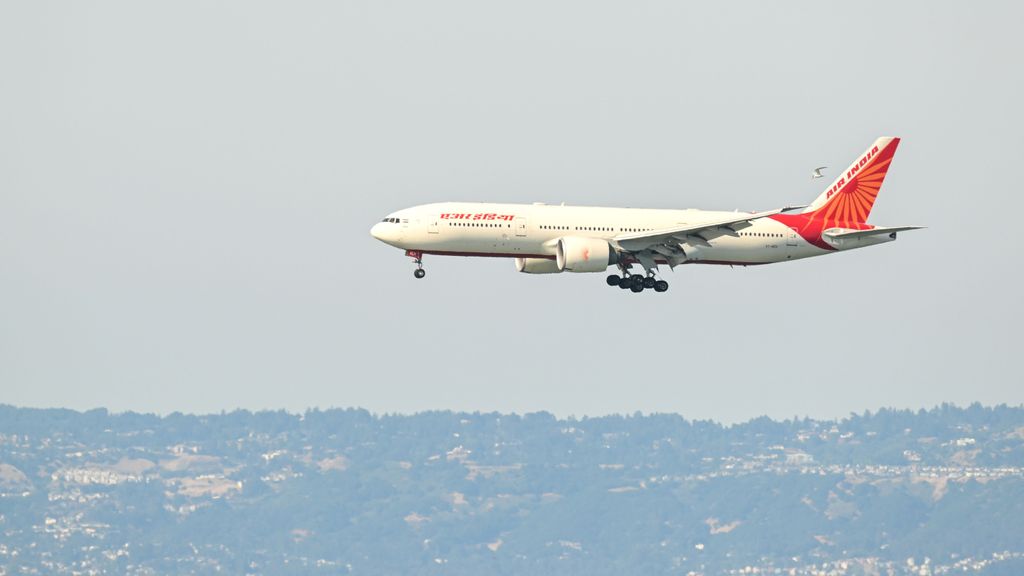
x=387 y=232
x=377 y=231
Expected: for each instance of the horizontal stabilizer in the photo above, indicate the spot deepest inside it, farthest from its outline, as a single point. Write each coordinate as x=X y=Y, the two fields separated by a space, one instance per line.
x=877 y=231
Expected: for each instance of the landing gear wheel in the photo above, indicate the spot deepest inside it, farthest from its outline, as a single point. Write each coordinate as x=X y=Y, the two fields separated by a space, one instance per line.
x=637 y=288
x=636 y=281
x=625 y=282
x=649 y=282
x=613 y=279
x=660 y=286
x=417 y=259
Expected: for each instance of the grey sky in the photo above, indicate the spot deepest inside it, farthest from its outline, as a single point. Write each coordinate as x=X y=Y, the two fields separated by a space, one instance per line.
x=186 y=190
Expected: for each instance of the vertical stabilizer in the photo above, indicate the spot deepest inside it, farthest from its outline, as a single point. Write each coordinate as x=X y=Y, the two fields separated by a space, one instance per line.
x=849 y=199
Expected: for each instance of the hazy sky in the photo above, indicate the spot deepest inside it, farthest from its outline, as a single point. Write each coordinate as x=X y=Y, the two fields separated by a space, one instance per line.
x=186 y=190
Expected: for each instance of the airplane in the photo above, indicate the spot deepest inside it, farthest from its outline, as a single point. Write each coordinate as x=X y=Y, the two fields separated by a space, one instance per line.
x=550 y=239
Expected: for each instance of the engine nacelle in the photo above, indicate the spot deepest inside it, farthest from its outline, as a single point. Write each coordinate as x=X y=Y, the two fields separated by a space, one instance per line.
x=575 y=254
x=537 y=266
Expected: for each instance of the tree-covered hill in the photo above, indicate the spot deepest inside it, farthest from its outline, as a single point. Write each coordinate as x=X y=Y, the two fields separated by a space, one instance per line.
x=346 y=491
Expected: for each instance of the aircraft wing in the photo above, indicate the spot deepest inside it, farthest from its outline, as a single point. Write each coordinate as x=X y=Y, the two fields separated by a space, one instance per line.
x=692 y=233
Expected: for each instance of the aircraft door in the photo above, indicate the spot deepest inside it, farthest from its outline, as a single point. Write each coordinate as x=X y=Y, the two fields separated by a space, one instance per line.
x=791 y=238
x=434 y=225
x=519 y=226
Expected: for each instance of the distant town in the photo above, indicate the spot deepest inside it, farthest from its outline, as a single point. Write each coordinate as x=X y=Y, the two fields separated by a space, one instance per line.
x=345 y=491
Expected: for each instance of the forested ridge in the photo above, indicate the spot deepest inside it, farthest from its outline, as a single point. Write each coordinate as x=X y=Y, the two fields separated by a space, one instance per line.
x=347 y=491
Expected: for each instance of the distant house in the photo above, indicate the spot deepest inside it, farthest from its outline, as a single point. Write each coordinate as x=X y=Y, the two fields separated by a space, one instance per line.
x=798 y=458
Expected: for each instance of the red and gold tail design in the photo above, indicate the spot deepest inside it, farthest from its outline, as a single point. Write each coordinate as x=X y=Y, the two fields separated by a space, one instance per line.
x=848 y=201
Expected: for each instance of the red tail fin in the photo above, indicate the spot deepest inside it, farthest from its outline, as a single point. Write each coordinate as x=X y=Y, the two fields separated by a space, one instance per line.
x=849 y=199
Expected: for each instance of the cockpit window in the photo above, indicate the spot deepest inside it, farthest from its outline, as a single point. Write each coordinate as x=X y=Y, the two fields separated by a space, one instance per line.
x=390 y=220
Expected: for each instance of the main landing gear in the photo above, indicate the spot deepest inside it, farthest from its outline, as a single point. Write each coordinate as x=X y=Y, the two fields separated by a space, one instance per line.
x=636 y=283
x=417 y=258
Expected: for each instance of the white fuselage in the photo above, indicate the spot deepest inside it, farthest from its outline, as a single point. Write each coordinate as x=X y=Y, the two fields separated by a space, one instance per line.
x=533 y=230
x=551 y=239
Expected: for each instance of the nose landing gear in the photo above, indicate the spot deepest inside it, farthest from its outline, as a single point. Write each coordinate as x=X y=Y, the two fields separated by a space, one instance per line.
x=417 y=258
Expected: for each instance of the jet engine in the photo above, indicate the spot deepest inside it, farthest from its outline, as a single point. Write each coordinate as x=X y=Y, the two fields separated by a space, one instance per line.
x=576 y=254
x=537 y=266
